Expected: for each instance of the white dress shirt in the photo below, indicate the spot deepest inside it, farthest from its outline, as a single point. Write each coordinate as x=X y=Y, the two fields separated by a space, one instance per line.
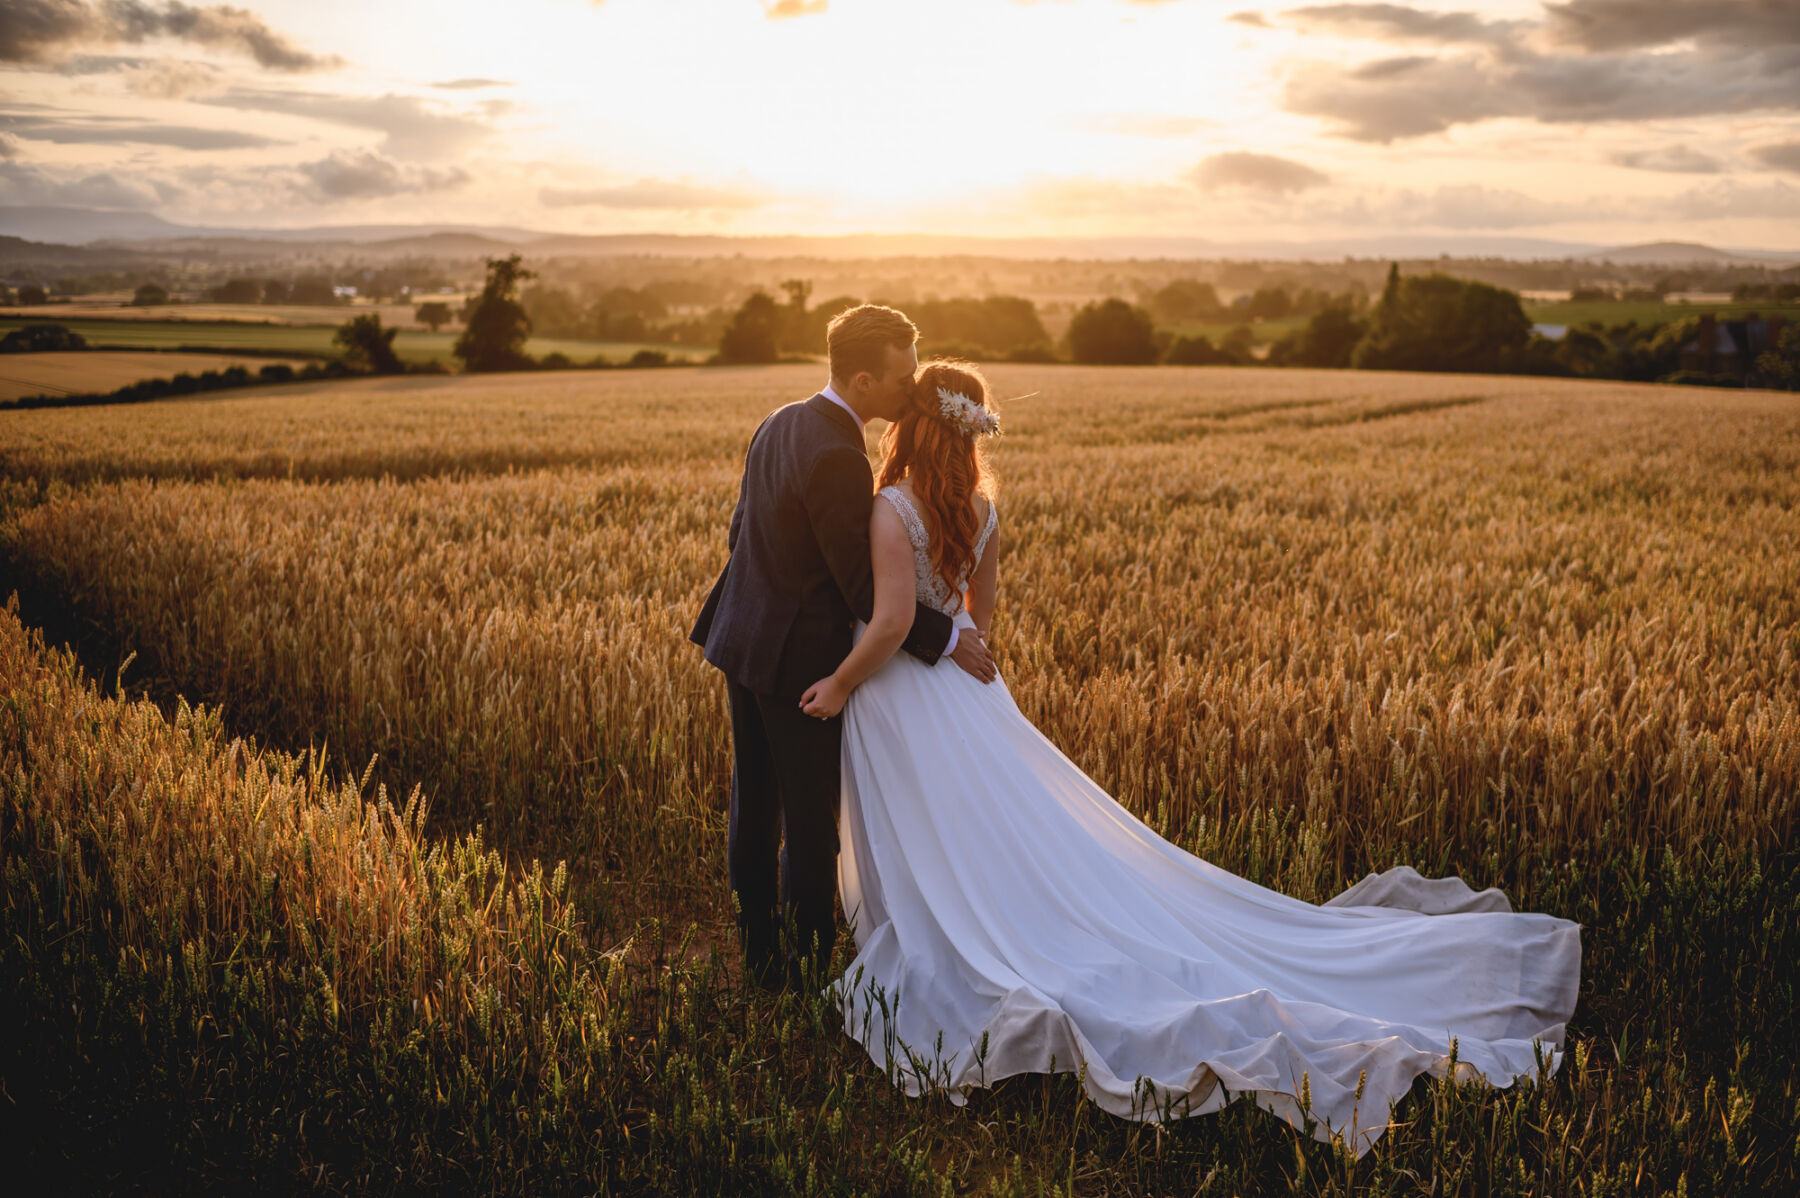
x=831 y=393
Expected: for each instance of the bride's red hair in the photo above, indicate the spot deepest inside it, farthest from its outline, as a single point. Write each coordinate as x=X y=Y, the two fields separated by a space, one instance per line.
x=946 y=466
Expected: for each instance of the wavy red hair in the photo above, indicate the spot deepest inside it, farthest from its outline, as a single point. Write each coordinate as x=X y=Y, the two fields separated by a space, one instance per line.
x=946 y=467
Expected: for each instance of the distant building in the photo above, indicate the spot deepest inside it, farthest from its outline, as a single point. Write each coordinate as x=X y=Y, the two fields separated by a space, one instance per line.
x=344 y=292
x=1729 y=346
x=1555 y=332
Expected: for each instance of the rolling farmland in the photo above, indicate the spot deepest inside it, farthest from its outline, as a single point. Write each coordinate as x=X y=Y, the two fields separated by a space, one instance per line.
x=1542 y=634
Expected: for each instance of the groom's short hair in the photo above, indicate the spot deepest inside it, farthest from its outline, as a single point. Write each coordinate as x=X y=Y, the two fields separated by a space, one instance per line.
x=858 y=339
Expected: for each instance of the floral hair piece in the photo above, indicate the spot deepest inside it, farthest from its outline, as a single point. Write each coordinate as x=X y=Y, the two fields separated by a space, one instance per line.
x=965 y=415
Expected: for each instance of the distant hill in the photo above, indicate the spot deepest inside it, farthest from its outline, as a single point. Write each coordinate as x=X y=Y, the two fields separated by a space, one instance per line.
x=78 y=226
x=1690 y=253
x=147 y=233
x=83 y=226
x=17 y=252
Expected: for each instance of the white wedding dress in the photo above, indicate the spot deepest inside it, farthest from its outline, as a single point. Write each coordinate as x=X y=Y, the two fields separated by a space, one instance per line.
x=1011 y=917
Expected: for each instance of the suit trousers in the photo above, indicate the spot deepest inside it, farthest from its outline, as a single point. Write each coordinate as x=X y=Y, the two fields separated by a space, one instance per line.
x=783 y=839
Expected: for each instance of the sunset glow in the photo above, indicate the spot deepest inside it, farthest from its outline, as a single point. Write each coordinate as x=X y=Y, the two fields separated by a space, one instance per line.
x=992 y=117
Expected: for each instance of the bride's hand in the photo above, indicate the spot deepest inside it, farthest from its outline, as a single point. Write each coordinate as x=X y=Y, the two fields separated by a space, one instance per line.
x=824 y=698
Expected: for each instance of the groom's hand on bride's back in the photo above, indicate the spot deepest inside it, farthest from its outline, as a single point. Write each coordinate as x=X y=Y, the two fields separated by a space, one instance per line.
x=971 y=653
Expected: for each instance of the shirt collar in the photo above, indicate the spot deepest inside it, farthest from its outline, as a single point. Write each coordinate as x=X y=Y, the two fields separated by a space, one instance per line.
x=837 y=399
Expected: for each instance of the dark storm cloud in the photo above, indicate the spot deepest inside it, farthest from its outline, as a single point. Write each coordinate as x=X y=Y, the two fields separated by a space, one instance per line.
x=39 y=31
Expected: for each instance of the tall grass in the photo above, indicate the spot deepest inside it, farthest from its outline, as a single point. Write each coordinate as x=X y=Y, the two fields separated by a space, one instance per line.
x=1541 y=635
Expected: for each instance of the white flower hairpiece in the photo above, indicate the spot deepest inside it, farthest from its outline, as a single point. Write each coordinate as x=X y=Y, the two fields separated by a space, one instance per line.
x=969 y=418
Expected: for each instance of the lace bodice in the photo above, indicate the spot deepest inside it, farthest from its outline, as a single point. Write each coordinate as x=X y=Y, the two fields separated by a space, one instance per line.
x=931 y=589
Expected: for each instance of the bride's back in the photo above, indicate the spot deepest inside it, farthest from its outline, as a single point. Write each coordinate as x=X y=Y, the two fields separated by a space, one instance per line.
x=932 y=588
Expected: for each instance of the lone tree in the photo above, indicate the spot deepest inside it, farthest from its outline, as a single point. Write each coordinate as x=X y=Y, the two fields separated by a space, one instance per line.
x=1112 y=333
x=149 y=295
x=755 y=332
x=368 y=345
x=498 y=325
x=1436 y=322
x=436 y=314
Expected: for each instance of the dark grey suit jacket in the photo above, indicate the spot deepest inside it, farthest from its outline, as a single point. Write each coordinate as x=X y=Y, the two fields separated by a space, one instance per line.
x=781 y=614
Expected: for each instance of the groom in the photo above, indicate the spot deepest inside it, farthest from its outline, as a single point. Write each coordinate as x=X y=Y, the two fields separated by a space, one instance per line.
x=780 y=618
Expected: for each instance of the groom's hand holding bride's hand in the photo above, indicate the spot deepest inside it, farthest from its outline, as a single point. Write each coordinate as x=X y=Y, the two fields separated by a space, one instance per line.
x=824 y=698
x=973 y=655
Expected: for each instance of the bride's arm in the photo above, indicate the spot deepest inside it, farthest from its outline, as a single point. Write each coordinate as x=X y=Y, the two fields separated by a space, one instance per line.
x=891 y=555
x=984 y=587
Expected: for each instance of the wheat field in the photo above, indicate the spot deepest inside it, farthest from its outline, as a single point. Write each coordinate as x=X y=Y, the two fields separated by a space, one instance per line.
x=1541 y=634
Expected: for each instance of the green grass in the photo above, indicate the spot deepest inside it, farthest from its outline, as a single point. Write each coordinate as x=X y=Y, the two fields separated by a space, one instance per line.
x=1611 y=312
x=1215 y=330
x=413 y=345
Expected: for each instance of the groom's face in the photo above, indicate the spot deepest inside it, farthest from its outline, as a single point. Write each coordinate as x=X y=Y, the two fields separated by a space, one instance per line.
x=892 y=392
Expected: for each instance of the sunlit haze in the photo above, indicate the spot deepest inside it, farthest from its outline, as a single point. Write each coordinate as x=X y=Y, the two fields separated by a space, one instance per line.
x=1605 y=121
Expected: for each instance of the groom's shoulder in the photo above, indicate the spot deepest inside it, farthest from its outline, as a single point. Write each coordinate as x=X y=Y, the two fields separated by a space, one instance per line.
x=800 y=419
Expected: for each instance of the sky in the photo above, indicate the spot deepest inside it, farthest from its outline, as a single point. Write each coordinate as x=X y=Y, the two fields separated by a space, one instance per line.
x=1604 y=121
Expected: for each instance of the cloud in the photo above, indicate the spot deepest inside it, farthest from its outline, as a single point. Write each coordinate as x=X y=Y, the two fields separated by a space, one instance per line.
x=1748 y=60
x=1465 y=207
x=1255 y=172
x=1679 y=159
x=33 y=29
x=1606 y=25
x=39 y=31
x=151 y=78
x=10 y=146
x=22 y=183
x=171 y=79
x=1145 y=124
x=467 y=84
x=648 y=193
x=781 y=10
x=409 y=127
x=1253 y=19
x=114 y=131
x=363 y=174
x=1400 y=22
x=1726 y=200
x=1781 y=156
x=61 y=126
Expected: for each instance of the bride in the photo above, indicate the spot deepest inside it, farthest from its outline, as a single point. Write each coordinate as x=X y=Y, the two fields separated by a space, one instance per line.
x=1011 y=917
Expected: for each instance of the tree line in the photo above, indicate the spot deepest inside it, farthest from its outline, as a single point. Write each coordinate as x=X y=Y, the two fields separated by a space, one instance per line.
x=1426 y=322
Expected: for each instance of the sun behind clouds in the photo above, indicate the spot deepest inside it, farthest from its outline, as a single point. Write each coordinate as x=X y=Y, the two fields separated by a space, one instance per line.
x=1608 y=119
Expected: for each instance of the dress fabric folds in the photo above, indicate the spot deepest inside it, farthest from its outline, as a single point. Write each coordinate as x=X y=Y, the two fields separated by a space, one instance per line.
x=1011 y=917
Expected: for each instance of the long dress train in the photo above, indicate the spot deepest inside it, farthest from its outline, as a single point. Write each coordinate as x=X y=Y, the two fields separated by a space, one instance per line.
x=1011 y=917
